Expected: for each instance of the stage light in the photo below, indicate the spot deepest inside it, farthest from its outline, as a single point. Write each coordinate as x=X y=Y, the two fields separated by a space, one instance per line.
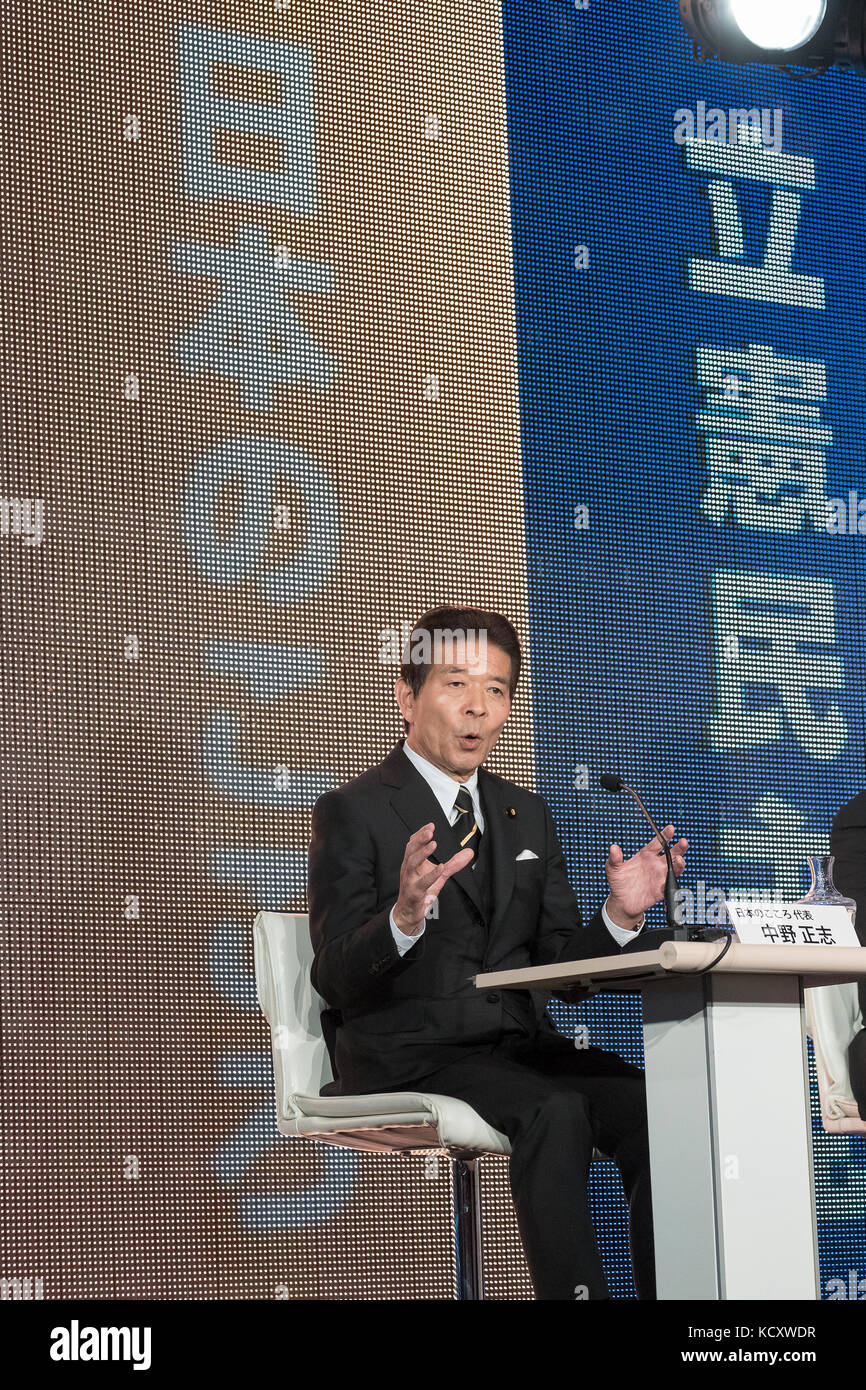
x=780 y=25
x=815 y=34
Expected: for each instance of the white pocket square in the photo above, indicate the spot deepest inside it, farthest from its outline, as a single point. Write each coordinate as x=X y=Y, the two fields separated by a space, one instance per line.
x=526 y=854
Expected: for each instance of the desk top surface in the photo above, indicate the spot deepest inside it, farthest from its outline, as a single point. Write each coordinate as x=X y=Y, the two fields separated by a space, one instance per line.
x=818 y=965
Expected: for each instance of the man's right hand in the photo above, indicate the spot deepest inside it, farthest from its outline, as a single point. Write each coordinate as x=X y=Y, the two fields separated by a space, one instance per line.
x=421 y=880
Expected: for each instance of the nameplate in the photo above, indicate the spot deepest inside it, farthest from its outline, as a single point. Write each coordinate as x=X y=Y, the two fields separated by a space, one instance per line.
x=791 y=924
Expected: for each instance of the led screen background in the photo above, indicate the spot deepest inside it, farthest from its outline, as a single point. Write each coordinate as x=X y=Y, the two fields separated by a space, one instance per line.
x=297 y=348
x=659 y=565
x=259 y=366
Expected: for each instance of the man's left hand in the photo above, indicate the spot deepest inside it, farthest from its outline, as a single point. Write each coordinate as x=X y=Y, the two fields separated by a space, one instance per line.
x=637 y=883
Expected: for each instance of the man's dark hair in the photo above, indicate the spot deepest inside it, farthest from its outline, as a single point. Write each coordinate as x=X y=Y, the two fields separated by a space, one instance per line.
x=498 y=632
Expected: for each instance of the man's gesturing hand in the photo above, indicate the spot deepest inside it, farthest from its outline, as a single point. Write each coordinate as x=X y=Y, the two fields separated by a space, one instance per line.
x=637 y=883
x=421 y=880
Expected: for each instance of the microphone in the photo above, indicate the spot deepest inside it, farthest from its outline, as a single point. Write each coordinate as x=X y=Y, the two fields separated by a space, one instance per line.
x=680 y=932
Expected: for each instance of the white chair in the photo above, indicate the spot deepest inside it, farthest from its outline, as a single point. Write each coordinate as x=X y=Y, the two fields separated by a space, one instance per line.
x=392 y=1122
x=833 y=1018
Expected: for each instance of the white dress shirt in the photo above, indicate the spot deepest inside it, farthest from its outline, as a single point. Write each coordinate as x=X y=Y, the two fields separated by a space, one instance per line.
x=445 y=790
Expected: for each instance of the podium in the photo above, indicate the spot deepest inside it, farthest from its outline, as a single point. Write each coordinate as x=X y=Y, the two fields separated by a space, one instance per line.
x=728 y=1105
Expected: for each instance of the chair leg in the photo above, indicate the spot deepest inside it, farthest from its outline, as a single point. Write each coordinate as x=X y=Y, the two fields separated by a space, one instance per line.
x=467 y=1228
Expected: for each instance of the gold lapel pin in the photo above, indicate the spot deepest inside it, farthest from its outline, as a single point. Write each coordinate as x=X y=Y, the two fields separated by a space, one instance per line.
x=510 y=811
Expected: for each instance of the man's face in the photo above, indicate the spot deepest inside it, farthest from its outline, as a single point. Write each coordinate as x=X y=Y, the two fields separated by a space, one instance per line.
x=459 y=712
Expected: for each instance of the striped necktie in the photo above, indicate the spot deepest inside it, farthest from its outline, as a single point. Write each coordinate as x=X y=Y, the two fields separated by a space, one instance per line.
x=466 y=826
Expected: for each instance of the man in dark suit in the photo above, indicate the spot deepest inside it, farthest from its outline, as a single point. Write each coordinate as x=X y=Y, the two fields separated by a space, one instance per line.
x=427 y=870
x=848 y=846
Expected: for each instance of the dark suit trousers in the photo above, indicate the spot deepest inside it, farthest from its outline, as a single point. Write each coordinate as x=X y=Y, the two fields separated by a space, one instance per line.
x=556 y=1103
x=857 y=1069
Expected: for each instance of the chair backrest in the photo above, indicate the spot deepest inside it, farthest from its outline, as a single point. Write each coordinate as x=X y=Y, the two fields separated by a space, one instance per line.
x=283 y=958
x=833 y=1018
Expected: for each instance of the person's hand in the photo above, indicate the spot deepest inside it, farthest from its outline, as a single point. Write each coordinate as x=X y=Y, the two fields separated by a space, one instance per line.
x=637 y=883
x=421 y=880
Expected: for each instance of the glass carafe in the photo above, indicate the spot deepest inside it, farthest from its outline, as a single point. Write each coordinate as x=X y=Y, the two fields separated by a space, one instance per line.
x=822 y=890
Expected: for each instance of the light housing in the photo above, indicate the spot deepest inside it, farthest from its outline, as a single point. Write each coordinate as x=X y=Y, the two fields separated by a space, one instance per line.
x=816 y=34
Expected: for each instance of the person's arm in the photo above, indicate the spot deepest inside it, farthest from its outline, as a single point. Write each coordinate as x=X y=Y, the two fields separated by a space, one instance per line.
x=404 y=942
x=561 y=933
x=621 y=935
x=354 y=945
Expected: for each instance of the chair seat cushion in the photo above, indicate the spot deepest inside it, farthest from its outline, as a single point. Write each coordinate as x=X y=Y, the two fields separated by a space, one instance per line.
x=459 y=1126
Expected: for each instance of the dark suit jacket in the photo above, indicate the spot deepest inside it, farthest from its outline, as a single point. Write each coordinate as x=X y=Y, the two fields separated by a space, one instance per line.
x=392 y=1019
x=848 y=845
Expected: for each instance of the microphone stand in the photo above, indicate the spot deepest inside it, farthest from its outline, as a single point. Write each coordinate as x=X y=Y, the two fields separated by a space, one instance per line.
x=679 y=930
